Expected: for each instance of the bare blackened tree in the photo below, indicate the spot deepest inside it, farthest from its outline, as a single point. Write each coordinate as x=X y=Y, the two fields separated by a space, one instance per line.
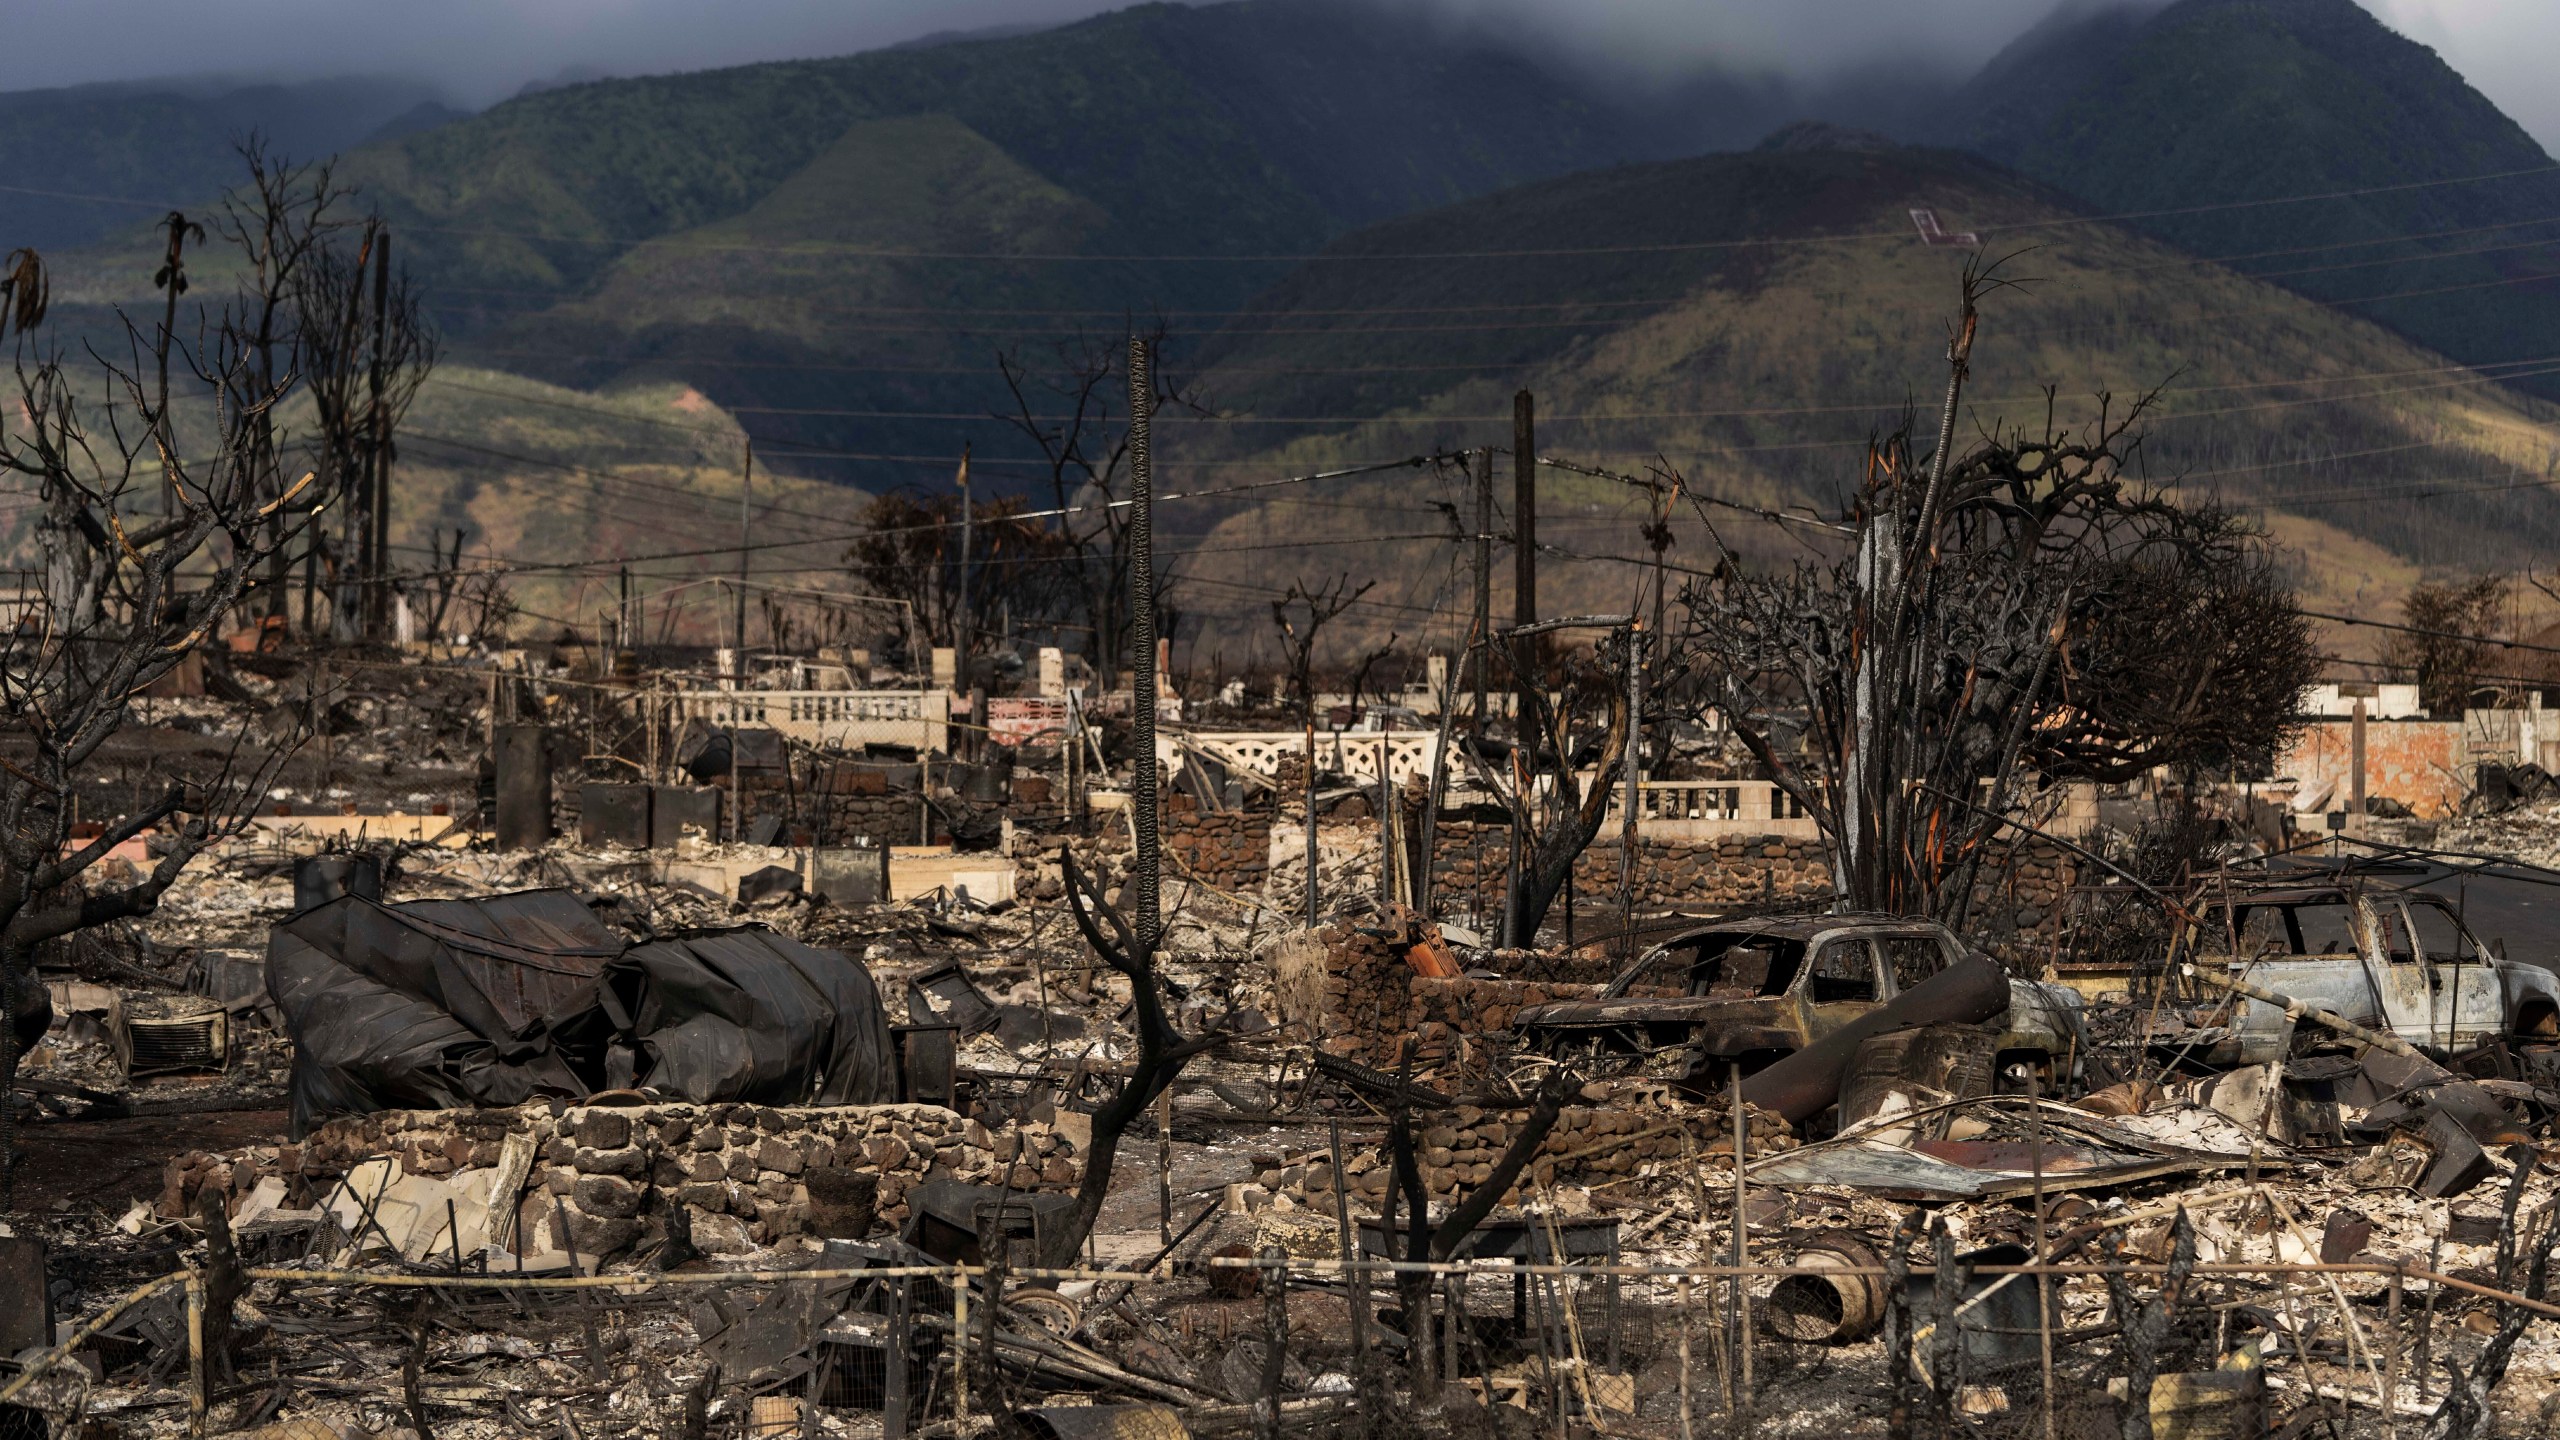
x=1553 y=818
x=368 y=345
x=124 y=604
x=1017 y=565
x=277 y=222
x=2025 y=606
x=1086 y=452
x=1162 y=1053
x=1301 y=616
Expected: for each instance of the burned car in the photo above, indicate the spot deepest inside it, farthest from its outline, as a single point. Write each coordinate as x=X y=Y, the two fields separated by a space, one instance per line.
x=1748 y=992
x=2387 y=958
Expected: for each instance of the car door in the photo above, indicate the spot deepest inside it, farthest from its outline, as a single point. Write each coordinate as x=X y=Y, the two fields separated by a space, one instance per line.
x=2468 y=1003
x=2401 y=973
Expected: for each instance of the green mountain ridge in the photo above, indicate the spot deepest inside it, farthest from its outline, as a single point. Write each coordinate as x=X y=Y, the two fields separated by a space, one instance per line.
x=2184 y=116
x=1753 y=318
x=1327 y=203
x=752 y=230
x=139 y=148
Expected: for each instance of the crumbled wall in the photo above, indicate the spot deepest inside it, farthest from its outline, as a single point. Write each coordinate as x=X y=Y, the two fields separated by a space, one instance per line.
x=1368 y=1003
x=1453 y=1017
x=742 y=1170
x=1625 y=1127
x=1230 y=849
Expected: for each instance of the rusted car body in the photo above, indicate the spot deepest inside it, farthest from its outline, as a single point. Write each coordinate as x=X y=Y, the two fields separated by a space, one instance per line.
x=1746 y=992
x=2387 y=958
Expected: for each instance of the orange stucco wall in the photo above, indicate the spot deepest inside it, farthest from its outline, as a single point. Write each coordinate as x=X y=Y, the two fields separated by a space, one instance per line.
x=2423 y=764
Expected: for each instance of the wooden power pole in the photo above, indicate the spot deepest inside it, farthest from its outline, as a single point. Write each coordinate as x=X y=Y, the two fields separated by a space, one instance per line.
x=1482 y=642
x=1524 y=505
x=377 y=600
x=1524 y=541
x=746 y=495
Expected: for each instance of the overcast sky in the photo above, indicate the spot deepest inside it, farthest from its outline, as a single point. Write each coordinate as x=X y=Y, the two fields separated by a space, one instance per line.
x=483 y=50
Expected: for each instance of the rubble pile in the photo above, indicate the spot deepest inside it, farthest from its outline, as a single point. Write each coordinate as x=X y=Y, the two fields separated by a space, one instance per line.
x=1366 y=996
x=1454 y=1020
x=758 y=1102
x=1626 y=1132
x=745 y=1174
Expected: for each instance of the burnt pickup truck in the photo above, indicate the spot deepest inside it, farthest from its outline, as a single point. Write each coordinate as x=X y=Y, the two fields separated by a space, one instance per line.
x=1747 y=992
x=2387 y=958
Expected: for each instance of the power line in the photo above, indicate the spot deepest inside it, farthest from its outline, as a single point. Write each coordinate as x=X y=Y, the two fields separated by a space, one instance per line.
x=2429 y=634
x=545 y=297
x=672 y=240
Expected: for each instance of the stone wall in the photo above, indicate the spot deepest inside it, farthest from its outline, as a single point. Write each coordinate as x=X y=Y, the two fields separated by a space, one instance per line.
x=1367 y=1010
x=1452 y=1017
x=742 y=1171
x=1737 y=872
x=2019 y=906
x=1730 y=873
x=1230 y=849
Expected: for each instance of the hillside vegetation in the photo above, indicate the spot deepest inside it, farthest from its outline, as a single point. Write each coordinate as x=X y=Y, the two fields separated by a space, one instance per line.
x=89 y=162
x=1752 y=318
x=2168 y=114
x=750 y=230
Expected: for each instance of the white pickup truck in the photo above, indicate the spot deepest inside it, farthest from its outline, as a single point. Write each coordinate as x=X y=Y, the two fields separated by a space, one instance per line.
x=2387 y=958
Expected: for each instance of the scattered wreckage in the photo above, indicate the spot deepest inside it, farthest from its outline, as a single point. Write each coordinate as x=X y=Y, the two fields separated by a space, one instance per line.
x=530 y=1083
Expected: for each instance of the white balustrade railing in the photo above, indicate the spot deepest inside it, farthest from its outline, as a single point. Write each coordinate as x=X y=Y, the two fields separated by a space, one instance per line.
x=1704 y=809
x=839 y=719
x=1357 y=753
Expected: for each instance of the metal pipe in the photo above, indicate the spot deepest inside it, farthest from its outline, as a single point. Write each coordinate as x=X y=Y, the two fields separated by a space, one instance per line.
x=2298 y=1010
x=1807 y=1082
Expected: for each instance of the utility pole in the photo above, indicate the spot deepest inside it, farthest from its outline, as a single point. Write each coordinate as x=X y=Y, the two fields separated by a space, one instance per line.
x=963 y=639
x=1142 y=659
x=1524 y=540
x=1524 y=505
x=1636 y=637
x=1481 y=644
x=378 y=597
x=746 y=491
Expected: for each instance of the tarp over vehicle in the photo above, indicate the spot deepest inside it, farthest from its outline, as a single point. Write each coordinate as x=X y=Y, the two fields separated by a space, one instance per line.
x=442 y=1004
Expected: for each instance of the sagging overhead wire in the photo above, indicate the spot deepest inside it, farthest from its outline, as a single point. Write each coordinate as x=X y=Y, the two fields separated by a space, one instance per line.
x=1338 y=255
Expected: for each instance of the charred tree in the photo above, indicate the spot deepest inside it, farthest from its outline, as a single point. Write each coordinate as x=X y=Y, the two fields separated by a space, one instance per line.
x=1556 y=821
x=910 y=548
x=1162 y=1052
x=2025 y=608
x=1084 y=447
x=340 y=312
x=153 y=533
